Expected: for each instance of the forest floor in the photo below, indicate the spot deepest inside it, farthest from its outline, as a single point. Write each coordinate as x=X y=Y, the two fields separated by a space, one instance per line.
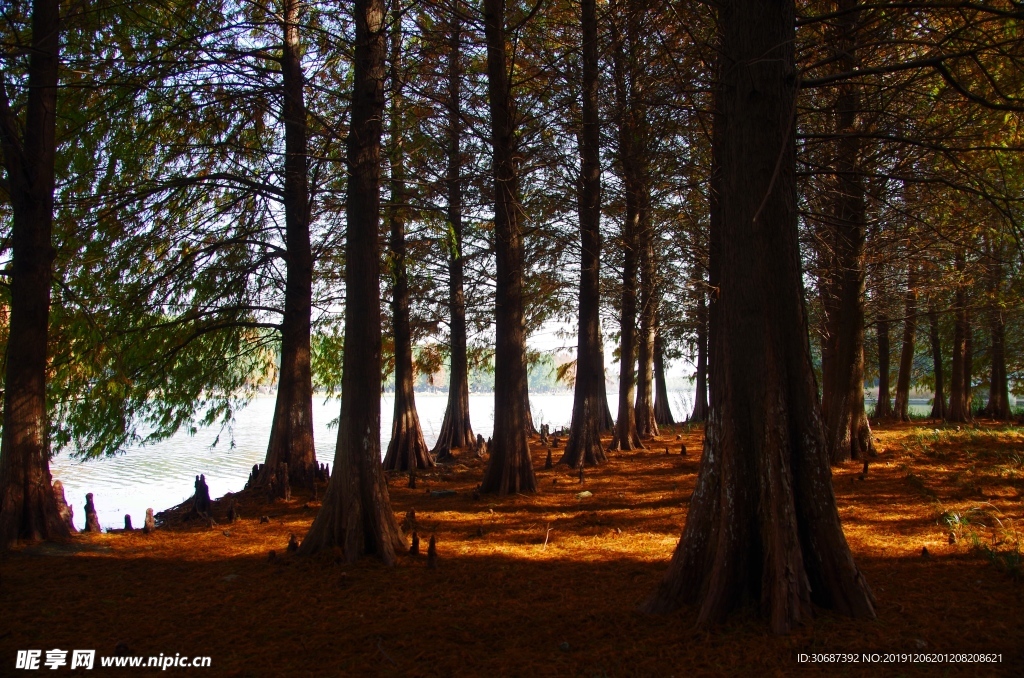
x=548 y=584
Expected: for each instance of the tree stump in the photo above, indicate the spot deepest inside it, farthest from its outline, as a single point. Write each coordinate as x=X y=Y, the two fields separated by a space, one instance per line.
x=481 y=446
x=201 y=498
x=547 y=462
x=293 y=543
x=414 y=549
x=554 y=441
x=92 y=521
x=682 y=449
x=232 y=514
x=432 y=553
x=253 y=475
x=150 y=524
x=67 y=514
x=128 y=523
x=410 y=520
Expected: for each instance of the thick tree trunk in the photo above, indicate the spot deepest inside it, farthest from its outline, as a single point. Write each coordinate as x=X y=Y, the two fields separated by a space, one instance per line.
x=998 y=406
x=456 y=429
x=847 y=429
x=700 y=397
x=959 y=383
x=939 y=401
x=291 y=433
x=902 y=408
x=883 y=408
x=589 y=400
x=646 y=423
x=356 y=514
x=28 y=506
x=407 y=448
x=662 y=406
x=763 y=526
x=510 y=467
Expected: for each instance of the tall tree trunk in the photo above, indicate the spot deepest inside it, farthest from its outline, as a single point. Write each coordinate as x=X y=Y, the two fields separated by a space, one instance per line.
x=456 y=429
x=626 y=436
x=902 y=409
x=883 y=408
x=700 y=397
x=959 y=382
x=847 y=429
x=607 y=420
x=662 y=406
x=356 y=513
x=28 y=505
x=407 y=449
x=968 y=361
x=763 y=526
x=291 y=433
x=646 y=423
x=510 y=467
x=589 y=399
x=939 y=401
x=998 y=406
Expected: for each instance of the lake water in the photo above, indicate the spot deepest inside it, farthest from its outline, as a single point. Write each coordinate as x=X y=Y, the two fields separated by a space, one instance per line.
x=163 y=475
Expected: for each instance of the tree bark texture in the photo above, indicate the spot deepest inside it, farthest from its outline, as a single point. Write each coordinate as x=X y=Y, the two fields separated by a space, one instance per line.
x=291 y=433
x=902 y=407
x=883 y=408
x=939 y=401
x=846 y=425
x=763 y=526
x=589 y=399
x=28 y=506
x=646 y=422
x=456 y=428
x=356 y=513
x=510 y=467
x=407 y=448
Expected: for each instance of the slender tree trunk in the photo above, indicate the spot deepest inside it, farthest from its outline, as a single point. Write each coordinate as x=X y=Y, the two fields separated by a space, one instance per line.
x=959 y=382
x=883 y=408
x=646 y=422
x=700 y=398
x=968 y=361
x=848 y=432
x=28 y=505
x=407 y=449
x=510 y=467
x=998 y=406
x=939 y=402
x=607 y=421
x=356 y=513
x=589 y=399
x=763 y=526
x=291 y=433
x=456 y=429
x=902 y=409
x=626 y=435
x=662 y=406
